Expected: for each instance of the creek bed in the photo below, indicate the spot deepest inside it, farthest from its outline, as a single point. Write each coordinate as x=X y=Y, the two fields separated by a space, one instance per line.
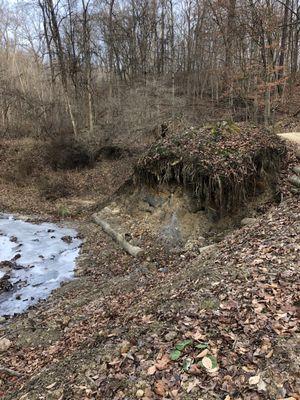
x=35 y=258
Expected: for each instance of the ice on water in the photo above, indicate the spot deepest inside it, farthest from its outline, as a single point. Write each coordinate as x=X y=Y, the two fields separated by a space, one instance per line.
x=46 y=261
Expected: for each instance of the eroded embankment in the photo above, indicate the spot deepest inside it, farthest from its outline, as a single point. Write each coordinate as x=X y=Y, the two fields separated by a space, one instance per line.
x=194 y=188
x=221 y=166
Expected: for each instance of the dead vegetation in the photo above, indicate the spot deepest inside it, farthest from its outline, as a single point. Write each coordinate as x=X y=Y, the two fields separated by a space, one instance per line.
x=222 y=165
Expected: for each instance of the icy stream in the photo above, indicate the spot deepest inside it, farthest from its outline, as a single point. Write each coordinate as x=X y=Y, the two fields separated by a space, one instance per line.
x=34 y=260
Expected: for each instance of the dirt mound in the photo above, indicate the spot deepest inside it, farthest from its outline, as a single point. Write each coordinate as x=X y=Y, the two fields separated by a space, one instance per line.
x=221 y=165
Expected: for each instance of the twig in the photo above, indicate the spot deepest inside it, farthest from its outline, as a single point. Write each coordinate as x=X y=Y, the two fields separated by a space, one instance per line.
x=9 y=371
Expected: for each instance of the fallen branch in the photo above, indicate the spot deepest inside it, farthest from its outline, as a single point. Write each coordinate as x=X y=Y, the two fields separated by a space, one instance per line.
x=9 y=371
x=294 y=180
x=132 y=250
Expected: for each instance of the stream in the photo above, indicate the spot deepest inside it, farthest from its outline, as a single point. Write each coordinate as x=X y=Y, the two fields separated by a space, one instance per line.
x=35 y=258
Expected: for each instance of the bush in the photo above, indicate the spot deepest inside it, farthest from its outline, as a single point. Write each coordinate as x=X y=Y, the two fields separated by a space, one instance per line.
x=55 y=187
x=66 y=152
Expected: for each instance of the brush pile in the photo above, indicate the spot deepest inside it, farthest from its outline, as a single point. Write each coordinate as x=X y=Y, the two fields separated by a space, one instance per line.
x=221 y=165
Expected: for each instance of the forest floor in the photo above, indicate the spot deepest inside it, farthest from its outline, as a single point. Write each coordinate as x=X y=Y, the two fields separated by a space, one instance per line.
x=166 y=325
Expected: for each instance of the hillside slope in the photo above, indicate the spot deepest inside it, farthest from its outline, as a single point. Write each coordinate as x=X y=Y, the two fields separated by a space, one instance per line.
x=168 y=325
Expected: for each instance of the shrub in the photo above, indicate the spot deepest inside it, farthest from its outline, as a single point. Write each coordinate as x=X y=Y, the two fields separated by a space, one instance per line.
x=67 y=152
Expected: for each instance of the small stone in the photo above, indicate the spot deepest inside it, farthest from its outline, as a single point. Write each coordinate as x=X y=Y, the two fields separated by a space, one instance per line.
x=163 y=269
x=4 y=344
x=207 y=249
x=248 y=221
x=2 y=320
x=139 y=393
x=170 y=336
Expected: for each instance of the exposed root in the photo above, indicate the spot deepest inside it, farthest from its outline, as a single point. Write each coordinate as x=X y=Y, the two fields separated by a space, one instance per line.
x=222 y=173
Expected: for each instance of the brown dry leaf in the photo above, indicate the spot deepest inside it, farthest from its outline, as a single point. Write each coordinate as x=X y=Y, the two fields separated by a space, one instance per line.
x=174 y=394
x=160 y=388
x=151 y=370
x=198 y=335
x=203 y=353
x=194 y=370
x=162 y=363
x=51 y=386
x=248 y=369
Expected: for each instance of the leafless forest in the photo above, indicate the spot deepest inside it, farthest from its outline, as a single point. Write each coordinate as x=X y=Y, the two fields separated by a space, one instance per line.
x=113 y=67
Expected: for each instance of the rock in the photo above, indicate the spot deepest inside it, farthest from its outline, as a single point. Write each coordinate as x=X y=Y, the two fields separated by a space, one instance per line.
x=4 y=344
x=67 y=239
x=248 y=221
x=153 y=201
x=163 y=269
x=207 y=249
x=5 y=284
x=139 y=393
x=194 y=244
x=2 y=320
x=170 y=336
x=171 y=233
x=144 y=207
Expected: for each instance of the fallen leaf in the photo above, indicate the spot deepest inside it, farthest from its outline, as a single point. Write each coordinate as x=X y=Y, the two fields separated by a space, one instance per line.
x=151 y=370
x=203 y=353
x=160 y=388
x=51 y=386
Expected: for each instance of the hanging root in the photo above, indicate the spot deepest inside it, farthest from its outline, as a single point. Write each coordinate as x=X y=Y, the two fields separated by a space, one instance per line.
x=222 y=173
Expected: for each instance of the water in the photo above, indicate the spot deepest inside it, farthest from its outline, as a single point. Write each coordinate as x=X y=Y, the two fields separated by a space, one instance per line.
x=41 y=261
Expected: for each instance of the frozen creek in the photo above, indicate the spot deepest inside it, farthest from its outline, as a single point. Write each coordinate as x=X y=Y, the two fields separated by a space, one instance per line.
x=34 y=260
